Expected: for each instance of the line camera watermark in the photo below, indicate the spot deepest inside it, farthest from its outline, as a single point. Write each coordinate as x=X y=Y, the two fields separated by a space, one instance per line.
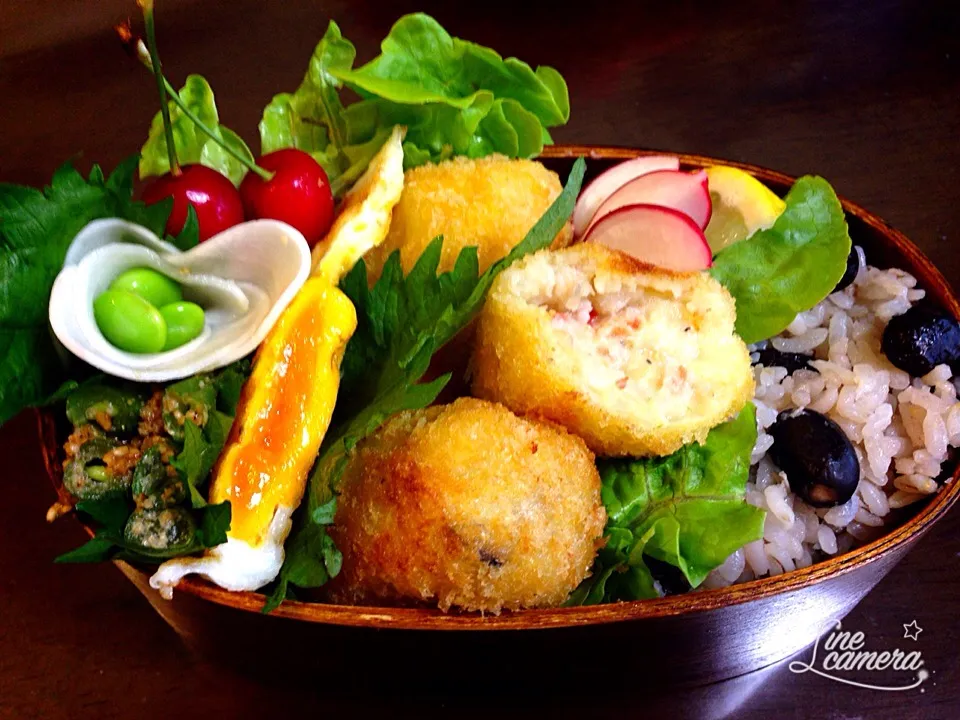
x=845 y=652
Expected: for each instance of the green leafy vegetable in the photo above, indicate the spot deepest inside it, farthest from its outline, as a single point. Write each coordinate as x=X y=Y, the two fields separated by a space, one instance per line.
x=686 y=509
x=401 y=323
x=468 y=96
x=201 y=448
x=99 y=548
x=229 y=382
x=60 y=394
x=109 y=542
x=217 y=430
x=789 y=267
x=312 y=118
x=192 y=144
x=214 y=524
x=189 y=236
x=455 y=98
x=36 y=228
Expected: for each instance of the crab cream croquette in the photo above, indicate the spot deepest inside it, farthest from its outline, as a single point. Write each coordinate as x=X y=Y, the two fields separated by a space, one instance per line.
x=636 y=360
x=467 y=505
x=490 y=203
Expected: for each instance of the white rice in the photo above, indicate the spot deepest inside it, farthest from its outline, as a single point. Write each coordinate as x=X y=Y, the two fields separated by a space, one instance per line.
x=901 y=427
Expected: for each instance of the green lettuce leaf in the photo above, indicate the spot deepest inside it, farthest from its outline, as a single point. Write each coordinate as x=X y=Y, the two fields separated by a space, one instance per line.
x=686 y=509
x=789 y=267
x=401 y=323
x=192 y=145
x=455 y=98
x=455 y=94
x=36 y=228
x=312 y=118
x=420 y=63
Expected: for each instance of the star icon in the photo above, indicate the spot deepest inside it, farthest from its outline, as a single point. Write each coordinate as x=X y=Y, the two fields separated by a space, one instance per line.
x=912 y=630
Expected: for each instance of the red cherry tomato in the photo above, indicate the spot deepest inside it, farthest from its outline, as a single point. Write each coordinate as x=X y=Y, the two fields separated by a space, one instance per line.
x=298 y=193
x=212 y=195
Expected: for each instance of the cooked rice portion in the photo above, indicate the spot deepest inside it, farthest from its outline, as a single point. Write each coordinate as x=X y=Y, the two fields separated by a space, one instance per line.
x=636 y=360
x=902 y=428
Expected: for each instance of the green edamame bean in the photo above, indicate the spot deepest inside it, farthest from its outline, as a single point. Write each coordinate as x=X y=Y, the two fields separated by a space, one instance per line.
x=184 y=323
x=129 y=322
x=98 y=473
x=154 y=287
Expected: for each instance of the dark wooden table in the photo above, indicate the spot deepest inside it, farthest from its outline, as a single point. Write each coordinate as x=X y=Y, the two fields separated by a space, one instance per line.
x=866 y=94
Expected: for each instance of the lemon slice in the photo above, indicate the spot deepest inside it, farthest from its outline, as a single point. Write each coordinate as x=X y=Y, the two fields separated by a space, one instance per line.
x=741 y=206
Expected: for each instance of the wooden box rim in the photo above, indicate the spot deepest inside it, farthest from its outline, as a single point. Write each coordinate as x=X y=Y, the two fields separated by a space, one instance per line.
x=694 y=602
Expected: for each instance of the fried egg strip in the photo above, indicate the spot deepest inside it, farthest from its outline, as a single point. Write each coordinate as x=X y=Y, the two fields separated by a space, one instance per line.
x=263 y=470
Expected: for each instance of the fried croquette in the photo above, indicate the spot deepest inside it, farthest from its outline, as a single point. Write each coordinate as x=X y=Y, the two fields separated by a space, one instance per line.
x=490 y=203
x=636 y=360
x=467 y=505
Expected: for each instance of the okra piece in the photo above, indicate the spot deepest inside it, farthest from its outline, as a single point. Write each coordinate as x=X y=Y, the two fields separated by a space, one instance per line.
x=87 y=476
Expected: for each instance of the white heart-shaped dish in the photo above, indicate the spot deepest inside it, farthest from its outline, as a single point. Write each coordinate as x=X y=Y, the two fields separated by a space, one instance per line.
x=243 y=278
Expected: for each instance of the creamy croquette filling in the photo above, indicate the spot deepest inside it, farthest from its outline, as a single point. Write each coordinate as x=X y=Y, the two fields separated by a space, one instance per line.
x=633 y=343
x=640 y=343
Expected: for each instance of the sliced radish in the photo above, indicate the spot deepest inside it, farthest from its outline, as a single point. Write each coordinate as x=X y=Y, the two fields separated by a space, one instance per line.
x=607 y=183
x=686 y=192
x=656 y=235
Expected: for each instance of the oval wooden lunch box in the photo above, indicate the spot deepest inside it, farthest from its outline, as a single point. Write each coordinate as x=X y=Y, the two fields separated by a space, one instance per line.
x=686 y=639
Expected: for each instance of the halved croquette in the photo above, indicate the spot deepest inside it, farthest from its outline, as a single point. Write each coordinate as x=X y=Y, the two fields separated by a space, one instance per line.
x=634 y=359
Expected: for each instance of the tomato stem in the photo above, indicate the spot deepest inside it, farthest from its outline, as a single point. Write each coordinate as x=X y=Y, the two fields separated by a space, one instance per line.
x=150 y=59
x=147 y=7
x=185 y=109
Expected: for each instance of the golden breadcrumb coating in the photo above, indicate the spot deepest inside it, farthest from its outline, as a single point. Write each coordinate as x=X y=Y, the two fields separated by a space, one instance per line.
x=635 y=359
x=467 y=505
x=490 y=203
